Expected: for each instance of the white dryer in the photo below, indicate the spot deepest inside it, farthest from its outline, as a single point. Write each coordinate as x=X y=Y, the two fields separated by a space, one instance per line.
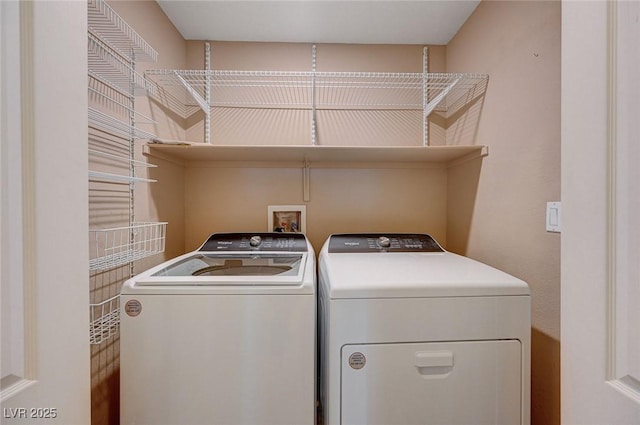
x=222 y=335
x=412 y=334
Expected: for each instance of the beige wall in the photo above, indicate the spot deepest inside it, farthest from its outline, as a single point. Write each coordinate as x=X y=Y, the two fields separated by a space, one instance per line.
x=518 y=45
x=226 y=197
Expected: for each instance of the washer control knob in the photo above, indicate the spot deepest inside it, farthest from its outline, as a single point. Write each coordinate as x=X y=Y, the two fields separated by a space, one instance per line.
x=384 y=242
x=255 y=241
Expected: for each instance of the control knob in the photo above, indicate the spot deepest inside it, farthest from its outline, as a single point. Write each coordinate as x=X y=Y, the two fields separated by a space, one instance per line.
x=384 y=242
x=255 y=241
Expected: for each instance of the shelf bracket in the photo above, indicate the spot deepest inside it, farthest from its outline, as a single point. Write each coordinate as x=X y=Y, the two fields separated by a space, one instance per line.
x=202 y=103
x=430 y=106
x=194 y=94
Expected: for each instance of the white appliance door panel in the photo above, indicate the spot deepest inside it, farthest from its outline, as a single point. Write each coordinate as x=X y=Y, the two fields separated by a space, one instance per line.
x=454 y=383
x=223 y=359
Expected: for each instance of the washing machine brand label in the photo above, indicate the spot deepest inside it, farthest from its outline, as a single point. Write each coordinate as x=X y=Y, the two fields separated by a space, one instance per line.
x=133 y=308
x=357 y=360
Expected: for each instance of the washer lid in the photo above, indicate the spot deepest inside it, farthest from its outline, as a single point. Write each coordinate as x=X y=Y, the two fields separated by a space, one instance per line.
x=235 y=264
x=234 y=269
x=409 y=275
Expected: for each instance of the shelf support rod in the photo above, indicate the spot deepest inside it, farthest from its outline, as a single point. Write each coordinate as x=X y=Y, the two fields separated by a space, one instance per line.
x=202 y=103
x=439 y=98
x=425 y=96
x=313 y=94
x=207 y=93
x=194 y=94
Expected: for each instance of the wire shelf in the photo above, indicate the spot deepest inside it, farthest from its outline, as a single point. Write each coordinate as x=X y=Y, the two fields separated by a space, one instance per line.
x=104 y=320
x=113 y=50
x=173 y=97
x=369 y=91
x=121 y=158
x=455 y=90
x=109 y=65
x=442 y=92
x=99 y=176
x=118 y=246
x=105 y=122
x=115 y=103
x=107 y=24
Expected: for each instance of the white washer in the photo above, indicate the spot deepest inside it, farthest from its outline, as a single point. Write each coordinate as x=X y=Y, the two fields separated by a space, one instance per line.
x=222 y=335
x=412 y=334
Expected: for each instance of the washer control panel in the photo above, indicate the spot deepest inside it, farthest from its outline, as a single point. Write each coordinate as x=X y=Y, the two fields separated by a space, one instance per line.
x=217 y=242
x=383 y=242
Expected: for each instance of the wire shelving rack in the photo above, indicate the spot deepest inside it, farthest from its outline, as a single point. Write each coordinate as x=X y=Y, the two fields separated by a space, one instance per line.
x=442 y=93
x=113 y=49
x=118 y=246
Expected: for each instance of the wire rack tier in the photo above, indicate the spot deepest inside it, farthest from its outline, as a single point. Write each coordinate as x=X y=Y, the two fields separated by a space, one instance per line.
x=442 y=92
x=99 y=91
x=113 y=49
x=119 y=158
x=100 y=176
x=115 y=247
x=109 y=124
x=104 y=321
x=104 y=22
x=111 y=66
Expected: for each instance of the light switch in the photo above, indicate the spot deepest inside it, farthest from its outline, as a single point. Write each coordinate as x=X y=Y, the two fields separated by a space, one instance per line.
x=554 y=217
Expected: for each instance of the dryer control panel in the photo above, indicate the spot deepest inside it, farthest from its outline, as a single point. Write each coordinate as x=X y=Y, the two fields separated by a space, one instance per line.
x=383 y=242
x=272 y=241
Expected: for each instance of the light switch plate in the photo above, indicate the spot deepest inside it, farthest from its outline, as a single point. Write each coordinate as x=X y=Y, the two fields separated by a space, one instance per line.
x=554 y=217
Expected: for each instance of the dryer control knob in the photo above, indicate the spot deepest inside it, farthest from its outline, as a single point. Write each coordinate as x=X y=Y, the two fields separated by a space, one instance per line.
x=255 y=241
x=384 y=242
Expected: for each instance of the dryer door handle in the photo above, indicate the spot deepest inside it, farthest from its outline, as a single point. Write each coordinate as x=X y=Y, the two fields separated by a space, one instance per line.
x=434 y=363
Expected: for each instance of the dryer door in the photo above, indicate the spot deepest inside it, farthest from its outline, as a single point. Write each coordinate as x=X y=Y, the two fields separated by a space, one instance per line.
x=468 y=382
